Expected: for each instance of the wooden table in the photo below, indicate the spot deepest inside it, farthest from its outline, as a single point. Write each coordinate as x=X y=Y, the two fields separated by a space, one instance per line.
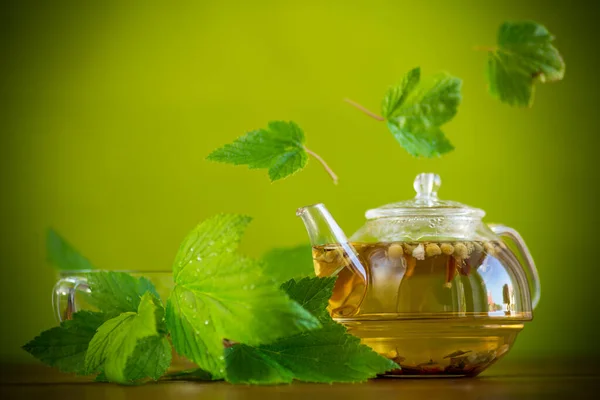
x=547 y=378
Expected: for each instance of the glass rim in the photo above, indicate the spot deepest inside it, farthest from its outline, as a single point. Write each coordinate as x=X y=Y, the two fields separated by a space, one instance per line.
x=127 y=271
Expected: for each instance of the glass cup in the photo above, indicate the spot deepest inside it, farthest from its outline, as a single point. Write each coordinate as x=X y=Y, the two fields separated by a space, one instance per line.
x=69 y=296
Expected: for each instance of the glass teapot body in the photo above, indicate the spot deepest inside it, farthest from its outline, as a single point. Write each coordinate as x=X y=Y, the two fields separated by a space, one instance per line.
x=412 y=279
x=427 y=283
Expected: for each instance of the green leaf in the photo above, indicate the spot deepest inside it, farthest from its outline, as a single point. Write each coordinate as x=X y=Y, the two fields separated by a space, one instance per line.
x=229 y=298
x=190 y=375
x=396 y=95
x=524 y=55
x=285 y=263
x=326 y=355
x=101 y=378
x=418 y=142
x=117 y=292
x=432 y=103
x=64 y=256
x=226 y=296
x=116 y=340
x=64 y=346
x=150 y=359
x=252 y=365
x=312 y=294
x=279 y=147
x=219 y=234
x=416 y=109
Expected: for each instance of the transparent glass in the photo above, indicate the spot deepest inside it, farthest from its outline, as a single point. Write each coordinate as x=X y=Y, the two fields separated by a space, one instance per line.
x=71 y=290
x=426 y=283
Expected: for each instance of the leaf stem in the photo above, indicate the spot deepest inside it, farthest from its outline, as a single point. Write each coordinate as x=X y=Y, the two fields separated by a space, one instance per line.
x=327 y=168
x=365 y=110
x=484 y=48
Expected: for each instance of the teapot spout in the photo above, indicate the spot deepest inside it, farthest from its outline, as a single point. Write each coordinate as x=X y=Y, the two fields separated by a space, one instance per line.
x=323 y=230
x=320 y=225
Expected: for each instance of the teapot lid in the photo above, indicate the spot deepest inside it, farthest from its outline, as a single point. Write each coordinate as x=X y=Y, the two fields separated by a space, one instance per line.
x=425 y=203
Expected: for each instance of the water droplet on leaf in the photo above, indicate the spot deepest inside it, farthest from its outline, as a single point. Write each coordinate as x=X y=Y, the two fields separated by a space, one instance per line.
x=188 y=299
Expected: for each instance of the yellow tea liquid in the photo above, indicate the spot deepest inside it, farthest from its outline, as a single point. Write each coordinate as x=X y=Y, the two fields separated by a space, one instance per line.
x=429 y=306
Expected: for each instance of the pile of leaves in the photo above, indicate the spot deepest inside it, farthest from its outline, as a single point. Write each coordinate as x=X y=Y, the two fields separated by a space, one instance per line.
x=239 y=319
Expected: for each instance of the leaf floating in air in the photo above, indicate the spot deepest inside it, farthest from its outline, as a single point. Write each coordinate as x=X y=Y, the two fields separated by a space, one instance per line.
x=396 y=95
x=279 y=148
x=415 y=109
x=524 y=55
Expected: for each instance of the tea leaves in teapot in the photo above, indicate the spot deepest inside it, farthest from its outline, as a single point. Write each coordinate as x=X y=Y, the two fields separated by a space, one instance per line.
x=279 y=148
x=523 y=56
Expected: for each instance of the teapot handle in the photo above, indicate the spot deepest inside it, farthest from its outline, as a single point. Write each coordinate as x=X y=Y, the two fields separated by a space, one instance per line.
x=506 y=232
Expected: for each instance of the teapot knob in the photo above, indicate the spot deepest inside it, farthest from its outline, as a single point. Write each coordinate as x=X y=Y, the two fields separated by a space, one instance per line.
x=427 y=185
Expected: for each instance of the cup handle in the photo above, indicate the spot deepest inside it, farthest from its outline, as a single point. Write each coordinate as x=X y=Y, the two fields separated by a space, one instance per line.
x=534 y=282
x=63 y=297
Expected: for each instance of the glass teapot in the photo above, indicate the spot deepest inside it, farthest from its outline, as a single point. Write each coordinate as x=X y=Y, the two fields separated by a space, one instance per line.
x=426 y=283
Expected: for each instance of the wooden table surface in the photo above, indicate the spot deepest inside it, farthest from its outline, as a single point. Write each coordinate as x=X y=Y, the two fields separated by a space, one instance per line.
x=547 y=378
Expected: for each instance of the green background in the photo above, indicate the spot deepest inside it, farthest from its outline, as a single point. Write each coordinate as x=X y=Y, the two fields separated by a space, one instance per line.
x=109 y=109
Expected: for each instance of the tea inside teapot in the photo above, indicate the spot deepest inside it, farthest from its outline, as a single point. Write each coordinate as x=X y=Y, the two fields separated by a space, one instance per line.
x=426 y=283
x=402 y=308
x=413 y=278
